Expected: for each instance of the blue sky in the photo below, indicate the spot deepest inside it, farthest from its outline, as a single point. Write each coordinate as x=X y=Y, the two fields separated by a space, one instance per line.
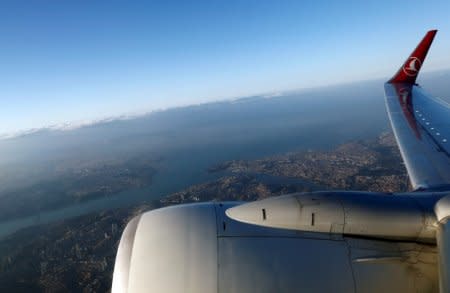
x=63 y=61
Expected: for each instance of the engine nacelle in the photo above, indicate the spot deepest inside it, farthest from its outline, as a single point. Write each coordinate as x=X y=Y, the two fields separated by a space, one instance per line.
x=409 y=217
x=198 y=248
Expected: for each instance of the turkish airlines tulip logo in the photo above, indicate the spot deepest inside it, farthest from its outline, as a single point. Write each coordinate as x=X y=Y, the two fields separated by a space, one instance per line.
x=412 y=66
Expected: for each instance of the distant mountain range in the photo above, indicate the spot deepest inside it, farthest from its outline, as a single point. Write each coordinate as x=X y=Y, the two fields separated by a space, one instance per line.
x=66 y=126
x=70 y=125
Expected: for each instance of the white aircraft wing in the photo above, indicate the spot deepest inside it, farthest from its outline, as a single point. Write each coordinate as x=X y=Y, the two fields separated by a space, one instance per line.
x=420 y=123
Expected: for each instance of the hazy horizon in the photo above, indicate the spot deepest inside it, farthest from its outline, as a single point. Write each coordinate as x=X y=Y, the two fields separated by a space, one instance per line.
x=75 y=124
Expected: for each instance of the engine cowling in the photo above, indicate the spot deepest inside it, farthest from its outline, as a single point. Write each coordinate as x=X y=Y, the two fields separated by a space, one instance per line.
x=406 y=217
x=198 y=248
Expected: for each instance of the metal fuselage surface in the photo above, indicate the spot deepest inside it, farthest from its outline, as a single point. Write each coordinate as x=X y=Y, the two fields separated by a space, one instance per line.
x=201 y=249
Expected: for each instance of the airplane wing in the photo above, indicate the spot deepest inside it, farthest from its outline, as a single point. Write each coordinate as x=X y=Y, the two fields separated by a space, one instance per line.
x=420 y=123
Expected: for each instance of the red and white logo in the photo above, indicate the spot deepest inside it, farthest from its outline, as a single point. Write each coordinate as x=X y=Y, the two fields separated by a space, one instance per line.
x=412 y=66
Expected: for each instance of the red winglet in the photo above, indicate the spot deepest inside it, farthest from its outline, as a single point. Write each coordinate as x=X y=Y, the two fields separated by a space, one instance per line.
x=408 y=72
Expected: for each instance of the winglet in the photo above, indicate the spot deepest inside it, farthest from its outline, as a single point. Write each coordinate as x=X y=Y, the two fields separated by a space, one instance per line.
x=410 y=69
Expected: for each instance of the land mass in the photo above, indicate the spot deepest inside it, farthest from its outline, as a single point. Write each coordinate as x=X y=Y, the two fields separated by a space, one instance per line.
x=80 y=183
x=363 y=165
x=78 y=254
